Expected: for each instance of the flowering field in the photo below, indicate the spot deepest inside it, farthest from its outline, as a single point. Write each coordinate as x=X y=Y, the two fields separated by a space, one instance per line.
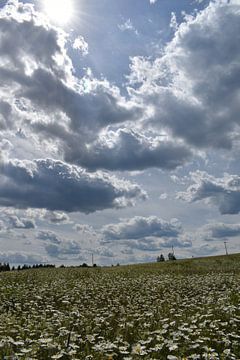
x=182 y=310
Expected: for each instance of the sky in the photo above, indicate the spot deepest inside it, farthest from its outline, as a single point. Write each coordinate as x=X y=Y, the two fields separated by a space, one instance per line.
x=119 y=130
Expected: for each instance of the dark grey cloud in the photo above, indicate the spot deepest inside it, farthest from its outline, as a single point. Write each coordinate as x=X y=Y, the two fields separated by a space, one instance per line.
x=128 y=150
x=69 y=248
x=140 y=227
x=222 y=192
x=57 y=247
x=55 y=185
x=221 y=230
x=194 y=86
x=20 y=223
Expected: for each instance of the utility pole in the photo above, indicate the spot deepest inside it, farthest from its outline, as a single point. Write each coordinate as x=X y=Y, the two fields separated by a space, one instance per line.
x=92 y=260
x=225 y=243
x=172 y=250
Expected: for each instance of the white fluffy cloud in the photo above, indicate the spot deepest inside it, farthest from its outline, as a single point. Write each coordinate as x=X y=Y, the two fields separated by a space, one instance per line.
x=194 y=86
x=20 y=223
x=41 y=94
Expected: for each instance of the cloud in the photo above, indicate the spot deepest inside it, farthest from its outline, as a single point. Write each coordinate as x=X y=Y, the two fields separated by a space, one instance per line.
x=145 y=234
x=21 y=257
x=157 y=244
x=128 y=26
x=222 y=192
x=173 y=22
x=39 y=85
x=55 y=185
x=57 y=217
x=85 y=120
x=57 y=247
x=163 y=196
x=84 y=228
x=49 y=236
x=193 y=87
x=128 y=150
x=20 y=223
x=69 y=248
x=104 y=251
x=81 y=45
x=216 y=231
x=139 y=227
x=204 y=250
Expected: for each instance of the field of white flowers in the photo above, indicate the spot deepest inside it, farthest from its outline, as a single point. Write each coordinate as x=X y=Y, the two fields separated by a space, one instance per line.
x=181 y=310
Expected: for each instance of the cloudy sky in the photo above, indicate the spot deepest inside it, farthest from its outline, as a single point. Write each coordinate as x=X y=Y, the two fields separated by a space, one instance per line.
x=119 y=129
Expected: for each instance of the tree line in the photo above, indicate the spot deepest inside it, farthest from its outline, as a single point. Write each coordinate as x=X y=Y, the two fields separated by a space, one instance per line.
x=7 y=267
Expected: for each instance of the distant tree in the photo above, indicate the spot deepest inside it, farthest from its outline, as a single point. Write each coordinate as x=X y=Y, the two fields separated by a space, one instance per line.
x=160 y=258
x=171 y=256
x=84 y=265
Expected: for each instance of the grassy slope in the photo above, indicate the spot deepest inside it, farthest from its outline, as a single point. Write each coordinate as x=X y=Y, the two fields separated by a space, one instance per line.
x=147 y=311
x=201 y=265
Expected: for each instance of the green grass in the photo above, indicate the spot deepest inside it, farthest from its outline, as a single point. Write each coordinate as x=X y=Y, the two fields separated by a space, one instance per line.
x=188 y=309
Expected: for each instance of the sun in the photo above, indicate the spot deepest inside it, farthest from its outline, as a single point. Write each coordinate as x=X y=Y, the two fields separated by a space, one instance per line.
x=59 y=11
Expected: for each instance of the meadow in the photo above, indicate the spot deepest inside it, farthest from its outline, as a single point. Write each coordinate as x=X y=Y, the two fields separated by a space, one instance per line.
x=187 y=309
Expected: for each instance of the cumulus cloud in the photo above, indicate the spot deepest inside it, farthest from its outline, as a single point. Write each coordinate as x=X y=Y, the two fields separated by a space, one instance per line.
x=216 y=231
x=145 y=234
x=222 y=192
x=221 y=230
x=57 y=217
x=55 y=185
x=20 y=223
x=21 y=257
x=69 y=248
x=157 y=244
x=194 y=86
x=84 y=228
x=139 y=227
x=128 y=150
x=39 y=85
x=41 y=94
x=81 y=45
x=57 y=247
x=49 y=236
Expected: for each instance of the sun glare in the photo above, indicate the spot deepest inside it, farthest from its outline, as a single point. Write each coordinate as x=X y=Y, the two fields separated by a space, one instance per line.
x=59 y=11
